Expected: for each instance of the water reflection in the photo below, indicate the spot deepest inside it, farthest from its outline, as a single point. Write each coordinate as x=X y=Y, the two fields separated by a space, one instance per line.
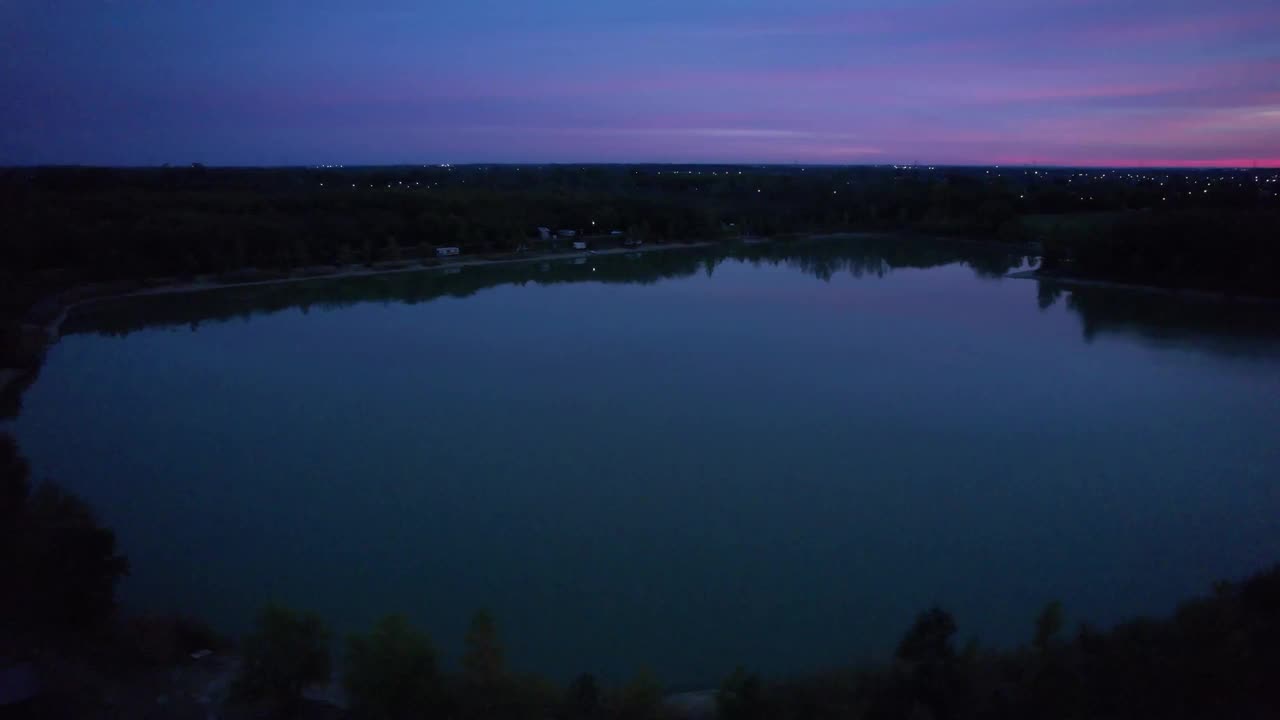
x=1161 y=319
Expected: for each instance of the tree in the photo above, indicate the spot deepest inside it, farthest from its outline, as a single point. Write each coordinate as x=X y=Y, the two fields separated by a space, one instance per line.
x=741 y=697
x=69 y=559
x=1048 y=625
x=60 y=566
x=933 y=682
x=287 y=652
x=582 y=701
x=928 y=641
x=482 y=661
x=391 y=672
x=301 y=253
x=640 y=699
x=344 y=256
x=14 y=484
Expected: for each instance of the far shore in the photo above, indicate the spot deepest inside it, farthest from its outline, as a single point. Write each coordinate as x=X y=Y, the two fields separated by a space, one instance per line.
x=330 y=272
x=416 y=265
x=406 y=266
x=48 y=331
x=1190 y=293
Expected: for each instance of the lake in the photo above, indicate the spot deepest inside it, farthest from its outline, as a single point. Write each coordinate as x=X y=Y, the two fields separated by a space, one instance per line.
x=772 y=456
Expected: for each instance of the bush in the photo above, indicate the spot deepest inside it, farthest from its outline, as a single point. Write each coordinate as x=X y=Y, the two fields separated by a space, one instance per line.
x=15 y=485
x=741 y=697
x=482 y=662
x=640 y=699
x=60 y=567
x=582 y=700
x=928 y=641
x=287 y=652
x=391 y=672
x=168 y=639
x=67 y=560
x=1048 y=625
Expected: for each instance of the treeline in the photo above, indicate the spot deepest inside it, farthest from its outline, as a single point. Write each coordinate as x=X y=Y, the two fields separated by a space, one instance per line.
x=1218 y=656
x=63 y=227
x=822 y=259
x=129 y=223
x=1235 y=252
x=393 y=672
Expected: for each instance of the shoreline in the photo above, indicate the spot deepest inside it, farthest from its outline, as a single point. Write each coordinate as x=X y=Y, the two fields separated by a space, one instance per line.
x=47 y=333
x=406 y=266
x=53 y=327
x=1186 y=293
x=356 y=271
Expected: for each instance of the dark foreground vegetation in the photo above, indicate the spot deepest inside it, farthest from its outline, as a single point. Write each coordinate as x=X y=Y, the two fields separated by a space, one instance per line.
x=1217 y=656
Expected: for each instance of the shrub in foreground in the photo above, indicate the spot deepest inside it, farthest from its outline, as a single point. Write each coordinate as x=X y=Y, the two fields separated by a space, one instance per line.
x=391 y=672
x=287 y=652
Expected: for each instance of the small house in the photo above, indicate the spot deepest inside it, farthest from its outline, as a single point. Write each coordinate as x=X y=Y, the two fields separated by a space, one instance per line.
x=544 y=233
x=446 y=251
x=579 y=245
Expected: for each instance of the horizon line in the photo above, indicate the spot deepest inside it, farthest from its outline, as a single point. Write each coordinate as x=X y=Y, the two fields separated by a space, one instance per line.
x=900 y=166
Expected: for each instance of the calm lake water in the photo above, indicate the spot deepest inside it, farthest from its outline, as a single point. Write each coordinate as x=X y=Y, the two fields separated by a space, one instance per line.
x=682 y=460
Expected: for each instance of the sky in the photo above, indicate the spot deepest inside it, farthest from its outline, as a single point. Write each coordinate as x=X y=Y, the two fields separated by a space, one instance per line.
x=290 y=82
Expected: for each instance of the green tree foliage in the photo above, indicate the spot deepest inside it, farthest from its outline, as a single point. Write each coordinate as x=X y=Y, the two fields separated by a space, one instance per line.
x=287 y=652
x=391 y=672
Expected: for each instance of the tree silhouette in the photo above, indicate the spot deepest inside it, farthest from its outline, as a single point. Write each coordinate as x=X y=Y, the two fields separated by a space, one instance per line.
x=391 y=672
x=482 y=661
x=1048 y=625
x=287 y=652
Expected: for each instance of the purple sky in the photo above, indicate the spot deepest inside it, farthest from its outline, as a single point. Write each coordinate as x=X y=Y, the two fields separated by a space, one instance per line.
x=1090 y=82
